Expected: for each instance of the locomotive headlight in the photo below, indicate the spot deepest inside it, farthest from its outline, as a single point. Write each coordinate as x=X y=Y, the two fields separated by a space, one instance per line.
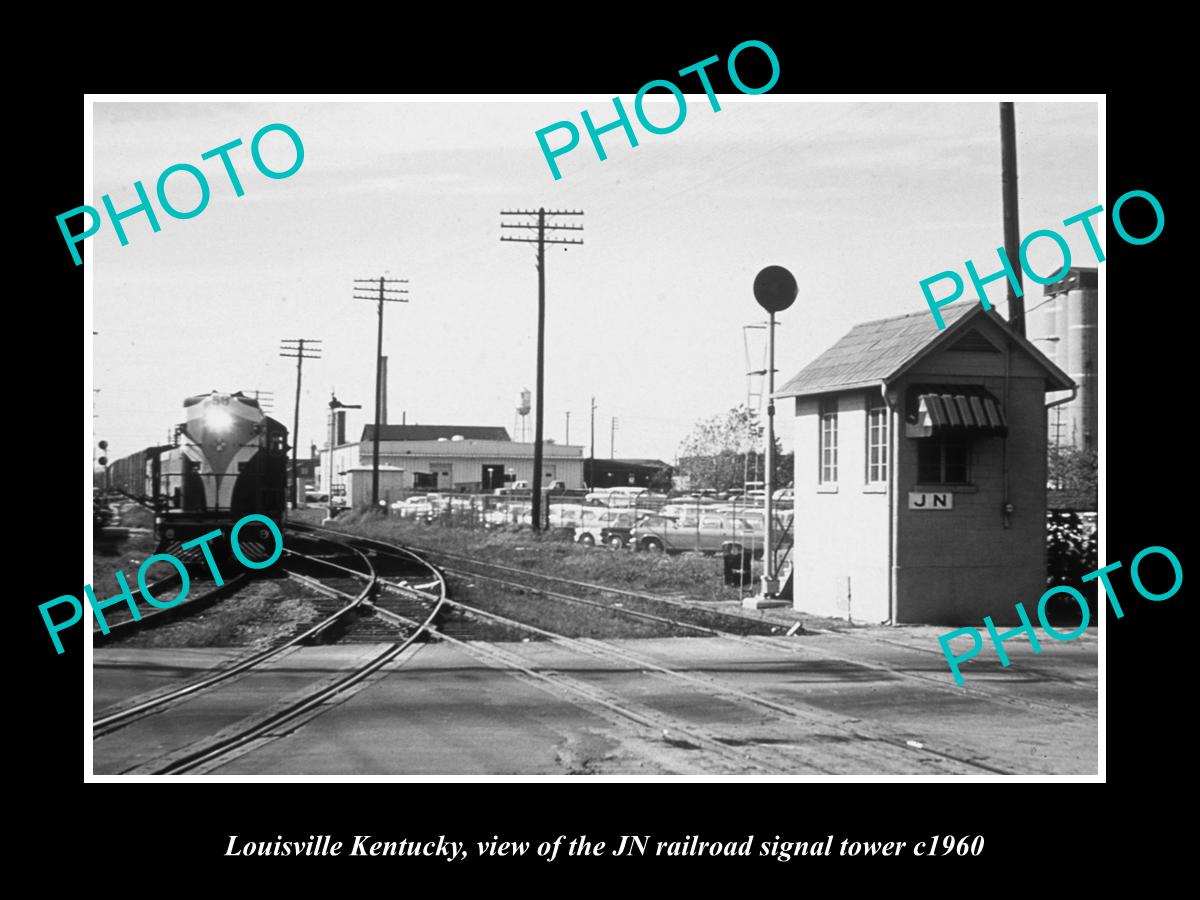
x=217 y=419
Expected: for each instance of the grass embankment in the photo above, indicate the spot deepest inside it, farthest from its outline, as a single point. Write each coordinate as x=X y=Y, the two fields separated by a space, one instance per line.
x=551 y=553
x=555 y=554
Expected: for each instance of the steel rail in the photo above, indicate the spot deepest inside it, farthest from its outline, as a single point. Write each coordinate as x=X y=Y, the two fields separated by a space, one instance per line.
x=160 y=616
x=111 y=722
x=595 y=647
x=864 y=733
x=808 y=651
x=652 y=720
x=302 y=706
x=162 y=584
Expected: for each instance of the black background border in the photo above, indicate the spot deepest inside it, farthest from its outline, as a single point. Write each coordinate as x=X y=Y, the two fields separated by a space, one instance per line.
x=1147 y=391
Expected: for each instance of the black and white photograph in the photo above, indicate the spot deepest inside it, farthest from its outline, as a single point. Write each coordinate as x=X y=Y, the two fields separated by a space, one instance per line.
x=697 y=434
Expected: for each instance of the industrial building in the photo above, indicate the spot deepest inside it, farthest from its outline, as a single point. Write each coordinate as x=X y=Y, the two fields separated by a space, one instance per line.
x=455 y=458
x=1065 y=328
x=920 y=471
x=306 y=470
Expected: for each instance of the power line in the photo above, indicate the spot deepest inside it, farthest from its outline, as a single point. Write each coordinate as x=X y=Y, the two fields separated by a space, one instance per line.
x=1012 y=228
x=386 y=295
x=294 y=348
x=541 y=242
x=592 y=459
x=265 y=399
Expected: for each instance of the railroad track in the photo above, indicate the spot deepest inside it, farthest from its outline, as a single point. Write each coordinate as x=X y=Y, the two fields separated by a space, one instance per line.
x=861 y=739
x=935 y=681
x=563 y=685
x=120 y=620
x=112 y=721
x=401 y=611
x=428 y=602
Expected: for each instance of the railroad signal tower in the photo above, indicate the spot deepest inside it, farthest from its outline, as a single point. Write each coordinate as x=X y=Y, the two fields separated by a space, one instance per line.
x=775 y=289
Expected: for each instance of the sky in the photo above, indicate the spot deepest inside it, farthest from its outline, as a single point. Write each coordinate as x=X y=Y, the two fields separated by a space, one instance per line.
x=859 y=200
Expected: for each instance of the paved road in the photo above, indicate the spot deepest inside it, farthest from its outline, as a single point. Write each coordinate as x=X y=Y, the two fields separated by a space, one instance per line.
x=874 y=701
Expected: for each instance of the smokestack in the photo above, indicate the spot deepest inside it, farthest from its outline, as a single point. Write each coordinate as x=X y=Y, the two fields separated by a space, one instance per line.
x=383 y=396
x=1012 y=231
x=339 y=427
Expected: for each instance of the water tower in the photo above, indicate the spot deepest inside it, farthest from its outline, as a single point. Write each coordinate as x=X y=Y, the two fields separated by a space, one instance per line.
x=523 y=410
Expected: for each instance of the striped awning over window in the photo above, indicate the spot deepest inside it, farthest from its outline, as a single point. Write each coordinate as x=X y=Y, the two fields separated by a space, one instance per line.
x=934 y=411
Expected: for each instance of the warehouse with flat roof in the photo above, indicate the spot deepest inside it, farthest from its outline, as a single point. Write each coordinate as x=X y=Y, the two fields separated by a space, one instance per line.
x=447 y=458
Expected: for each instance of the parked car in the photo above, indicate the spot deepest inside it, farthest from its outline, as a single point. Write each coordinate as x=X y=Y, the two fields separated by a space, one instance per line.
x=565 y=515
x=593 y=521
x=618 y=496
x=515 y=489
x=707 y=533
x=617 y=536
x=413 y=508
x=497 y=516
x=687 y=510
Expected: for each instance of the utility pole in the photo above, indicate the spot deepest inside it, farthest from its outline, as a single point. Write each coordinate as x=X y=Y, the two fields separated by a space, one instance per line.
x=389 y=295
x=541 y=242
x=567 y=439
x=592 y=458
x=612 y=439
x=1012 y=231
x=294 y=348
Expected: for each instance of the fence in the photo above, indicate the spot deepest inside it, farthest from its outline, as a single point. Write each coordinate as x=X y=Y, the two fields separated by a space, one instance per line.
x=677 y=523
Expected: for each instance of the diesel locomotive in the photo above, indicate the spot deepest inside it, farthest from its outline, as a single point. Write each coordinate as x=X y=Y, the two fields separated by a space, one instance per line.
x=228 y=460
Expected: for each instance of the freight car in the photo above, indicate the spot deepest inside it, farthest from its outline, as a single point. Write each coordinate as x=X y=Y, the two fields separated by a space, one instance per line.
x=229 y=460
x=136 y=475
